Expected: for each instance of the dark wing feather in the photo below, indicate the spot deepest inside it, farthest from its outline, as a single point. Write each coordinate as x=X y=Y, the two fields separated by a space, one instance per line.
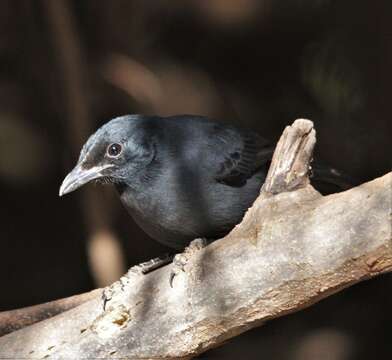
x=241 y=154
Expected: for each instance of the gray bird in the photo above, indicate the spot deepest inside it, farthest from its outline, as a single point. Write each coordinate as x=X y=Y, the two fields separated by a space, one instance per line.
x=180 y=177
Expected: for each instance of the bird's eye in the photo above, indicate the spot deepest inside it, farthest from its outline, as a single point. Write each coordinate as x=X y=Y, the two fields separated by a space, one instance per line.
x=114 y=150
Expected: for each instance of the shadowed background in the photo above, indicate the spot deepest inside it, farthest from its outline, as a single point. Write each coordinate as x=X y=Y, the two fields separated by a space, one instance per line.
x=66 y=67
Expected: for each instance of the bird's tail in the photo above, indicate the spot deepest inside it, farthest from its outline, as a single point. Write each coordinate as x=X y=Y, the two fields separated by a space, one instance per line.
x=328 y=180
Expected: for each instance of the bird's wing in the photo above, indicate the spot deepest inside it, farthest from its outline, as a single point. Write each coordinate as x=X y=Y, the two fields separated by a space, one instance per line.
x=239 y=155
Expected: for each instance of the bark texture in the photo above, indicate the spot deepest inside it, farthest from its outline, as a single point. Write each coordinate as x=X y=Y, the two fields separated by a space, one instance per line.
x=293 y=248
x=16 y=319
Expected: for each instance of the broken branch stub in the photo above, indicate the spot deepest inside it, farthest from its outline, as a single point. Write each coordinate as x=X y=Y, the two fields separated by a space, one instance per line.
x=291 y=160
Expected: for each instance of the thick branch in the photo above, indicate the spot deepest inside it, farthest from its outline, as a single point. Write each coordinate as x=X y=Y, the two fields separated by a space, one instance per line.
x=291 y=250
x=16 y=319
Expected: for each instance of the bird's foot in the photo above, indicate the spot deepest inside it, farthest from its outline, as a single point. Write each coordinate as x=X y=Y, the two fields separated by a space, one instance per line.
x=180 y=260
x=137 y=270
x=150 y=265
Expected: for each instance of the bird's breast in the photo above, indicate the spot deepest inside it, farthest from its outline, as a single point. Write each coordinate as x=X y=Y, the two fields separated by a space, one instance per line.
x=160 y=216
x=183 y=206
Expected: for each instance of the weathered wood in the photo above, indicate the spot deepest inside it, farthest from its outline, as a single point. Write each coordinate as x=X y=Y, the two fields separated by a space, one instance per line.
x=16 y=319
x=291 y=161
x=293 y=248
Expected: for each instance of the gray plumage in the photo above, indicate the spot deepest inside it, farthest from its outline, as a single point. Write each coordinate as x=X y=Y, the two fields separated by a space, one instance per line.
x=180 y=177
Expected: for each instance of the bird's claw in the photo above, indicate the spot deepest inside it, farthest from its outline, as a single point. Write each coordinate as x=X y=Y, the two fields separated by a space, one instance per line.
x=137 y=270
x=109 y=291
x=179 y=263
x=171 y=278
x=106 y=296
x=180 y=260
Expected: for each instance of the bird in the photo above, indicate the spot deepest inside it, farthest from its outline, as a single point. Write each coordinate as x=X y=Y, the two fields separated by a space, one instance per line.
x=180 y=177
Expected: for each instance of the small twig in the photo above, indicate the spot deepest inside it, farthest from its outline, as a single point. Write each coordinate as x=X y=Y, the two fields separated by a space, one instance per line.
x=104 y=249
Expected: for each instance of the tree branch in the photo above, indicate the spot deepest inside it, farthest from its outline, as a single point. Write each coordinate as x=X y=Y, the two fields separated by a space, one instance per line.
x=293 y=248
x=16 y=319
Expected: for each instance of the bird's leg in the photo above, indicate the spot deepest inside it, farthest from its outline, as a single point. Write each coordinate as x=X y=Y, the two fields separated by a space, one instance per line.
x=140 y=269
x=153 y=264
x=180 y=260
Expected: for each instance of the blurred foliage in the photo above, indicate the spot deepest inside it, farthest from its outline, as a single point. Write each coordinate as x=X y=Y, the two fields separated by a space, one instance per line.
x=24 y=153
x=333 y=80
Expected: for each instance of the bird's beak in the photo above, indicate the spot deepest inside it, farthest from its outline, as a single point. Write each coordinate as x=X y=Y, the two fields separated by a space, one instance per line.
x=79 y=177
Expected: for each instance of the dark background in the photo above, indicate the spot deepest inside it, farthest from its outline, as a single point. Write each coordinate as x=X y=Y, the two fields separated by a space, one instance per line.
x=66 y=67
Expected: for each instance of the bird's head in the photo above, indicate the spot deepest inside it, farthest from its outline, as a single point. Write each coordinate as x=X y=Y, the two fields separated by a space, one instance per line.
x=115 y=153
